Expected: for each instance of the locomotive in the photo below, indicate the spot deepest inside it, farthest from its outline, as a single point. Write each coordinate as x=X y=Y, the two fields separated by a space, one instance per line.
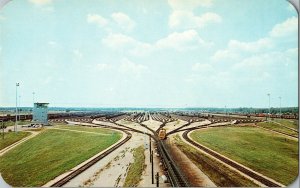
x=162 y=134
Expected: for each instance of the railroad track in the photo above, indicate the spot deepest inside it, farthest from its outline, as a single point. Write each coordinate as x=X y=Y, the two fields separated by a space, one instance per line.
x=75 y=173
x=233 y=164
x=177 y=179
x=174 y=174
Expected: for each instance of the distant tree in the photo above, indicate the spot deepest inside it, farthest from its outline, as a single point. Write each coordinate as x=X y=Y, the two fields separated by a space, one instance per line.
x=2 y=126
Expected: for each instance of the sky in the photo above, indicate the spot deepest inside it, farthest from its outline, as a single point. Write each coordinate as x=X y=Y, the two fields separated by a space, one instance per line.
x=149 y=53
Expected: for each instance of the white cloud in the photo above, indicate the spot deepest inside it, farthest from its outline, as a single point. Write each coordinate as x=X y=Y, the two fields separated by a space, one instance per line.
x=2 y=18
x=236 y=49
x=48 y=80
x=255 y=46
x=202 y=67
x=118 y=20
x=268 y=61
x=52 y=43
x=77 y=54
x=129 y=67
x=221 y=55
x=186 y=40
x=40 y=2
x=182 y=15
x=290 y=7
x=118 y=40
x=187 y=19
x=179 y=41
x=97 y=19
x=189 y=4
x=124 y=42
x=288 y=27
x=123 y=20
x=102 y=66
x=293 y=52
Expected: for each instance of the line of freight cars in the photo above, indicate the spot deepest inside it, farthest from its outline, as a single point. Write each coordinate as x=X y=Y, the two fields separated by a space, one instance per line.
x=60 y=115
x=50 y=116
x=261 y=115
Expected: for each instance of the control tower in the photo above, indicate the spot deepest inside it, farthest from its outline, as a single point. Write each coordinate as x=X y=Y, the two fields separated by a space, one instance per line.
x=40 y=113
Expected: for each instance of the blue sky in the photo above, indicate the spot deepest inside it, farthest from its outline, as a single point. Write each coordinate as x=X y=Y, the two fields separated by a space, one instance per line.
x=142 y=53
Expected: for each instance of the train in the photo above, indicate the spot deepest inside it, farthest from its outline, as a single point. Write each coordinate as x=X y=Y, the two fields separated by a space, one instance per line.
x=21 y=117
x=162 y=134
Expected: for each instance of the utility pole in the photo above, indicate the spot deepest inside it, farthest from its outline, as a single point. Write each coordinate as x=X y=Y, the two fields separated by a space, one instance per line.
x=16 y=123
x=269 y=107
x=33 y=97
x=280 y=107
x=20 y=109
x=157 y=179
x=152 y=169
x=150 y=143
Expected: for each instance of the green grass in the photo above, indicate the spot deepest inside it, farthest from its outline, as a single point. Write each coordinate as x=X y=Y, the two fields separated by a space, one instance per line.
x=220 y=174
x=85 y=128
x=136 y=168
x=50 y=154
x=292 y=123
x=11 y=137
x=276 y=127
x=268 y=153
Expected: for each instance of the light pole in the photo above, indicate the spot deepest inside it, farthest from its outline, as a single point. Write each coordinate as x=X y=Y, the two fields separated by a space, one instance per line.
x=280 y=107
x=269 y=106
x=33 y=97
x=20 y=109
x=16 y=123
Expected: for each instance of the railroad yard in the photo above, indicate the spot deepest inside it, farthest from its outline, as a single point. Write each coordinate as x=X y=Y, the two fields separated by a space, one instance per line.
x=150 y=149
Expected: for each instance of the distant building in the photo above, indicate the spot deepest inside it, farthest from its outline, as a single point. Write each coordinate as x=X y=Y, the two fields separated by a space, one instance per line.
x=40 y=113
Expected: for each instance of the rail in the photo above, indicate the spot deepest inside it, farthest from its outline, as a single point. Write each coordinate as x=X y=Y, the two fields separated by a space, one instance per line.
x=176 y=178
x=75 y=173
x=252 y=174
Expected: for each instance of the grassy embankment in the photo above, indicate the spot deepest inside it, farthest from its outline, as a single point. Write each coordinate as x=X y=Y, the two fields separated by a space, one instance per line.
x=11 y=137
x=274 y=126
x=50 y=154
x=292 y=123
x=136 y=168
x=220 y=174
x=269 y=153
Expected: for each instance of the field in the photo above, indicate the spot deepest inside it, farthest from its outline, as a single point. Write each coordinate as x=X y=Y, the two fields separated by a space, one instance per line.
x=268 y=153
x=11 y=137
x=83 y=128
x=50 y=154
x=279 y=128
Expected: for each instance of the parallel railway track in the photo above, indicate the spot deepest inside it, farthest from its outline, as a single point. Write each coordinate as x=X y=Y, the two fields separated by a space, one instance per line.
x=233 y=164
x=177 y=179
x=78 y=171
